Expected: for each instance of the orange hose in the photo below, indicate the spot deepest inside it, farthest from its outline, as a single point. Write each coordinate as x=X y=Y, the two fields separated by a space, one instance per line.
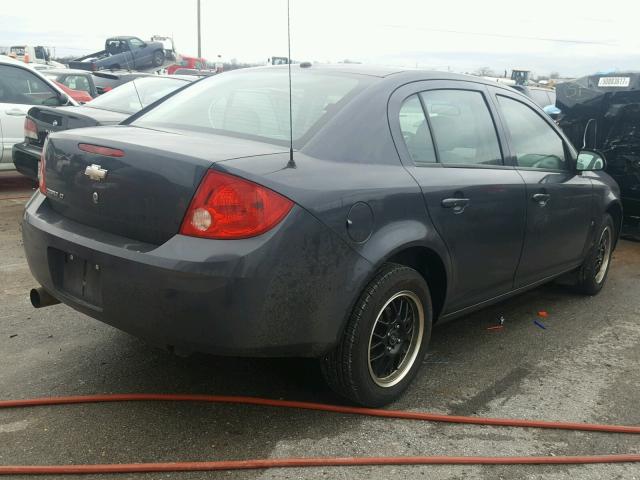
x=314 y=462
x=306 y=462
x=373 y=412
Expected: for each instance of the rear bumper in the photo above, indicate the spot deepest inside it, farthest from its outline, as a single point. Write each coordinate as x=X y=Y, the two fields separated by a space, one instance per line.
x=285 y=293
x=26 y=158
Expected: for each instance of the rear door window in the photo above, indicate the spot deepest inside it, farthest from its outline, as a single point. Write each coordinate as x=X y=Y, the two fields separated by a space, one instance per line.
x=415 y=131
x=18 y=85
x=135 y=43
x=463 y=128
x=77 y=82
x=533 y=140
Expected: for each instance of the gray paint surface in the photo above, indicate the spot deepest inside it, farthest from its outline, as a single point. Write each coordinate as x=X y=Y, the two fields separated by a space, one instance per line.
x=488 y=252
x=582 y=368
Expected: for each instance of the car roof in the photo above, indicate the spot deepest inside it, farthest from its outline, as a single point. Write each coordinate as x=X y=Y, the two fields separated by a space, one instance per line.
x=357 y=69
x=116 y=74
x=75 y=71
x=403 y=74
x=546 y=89
x=12 y=61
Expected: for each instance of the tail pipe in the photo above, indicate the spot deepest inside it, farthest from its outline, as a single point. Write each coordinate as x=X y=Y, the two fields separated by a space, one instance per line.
x=41 y=298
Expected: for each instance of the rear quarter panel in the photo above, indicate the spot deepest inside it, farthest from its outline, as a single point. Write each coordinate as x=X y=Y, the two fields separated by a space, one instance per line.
x=353 y=160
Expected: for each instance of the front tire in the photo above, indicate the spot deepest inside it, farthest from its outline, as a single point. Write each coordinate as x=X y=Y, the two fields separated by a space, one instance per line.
x=593 y=272
x=158 y=58
x=385 y=339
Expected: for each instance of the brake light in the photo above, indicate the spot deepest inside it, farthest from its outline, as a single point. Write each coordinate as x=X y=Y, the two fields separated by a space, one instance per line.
x=30 y=129
x=98 y=150
x=42 y=184
x=230 y=207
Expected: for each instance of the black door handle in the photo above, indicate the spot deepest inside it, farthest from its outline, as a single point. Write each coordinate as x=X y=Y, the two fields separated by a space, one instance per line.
x=458 y=204
x=541 y=198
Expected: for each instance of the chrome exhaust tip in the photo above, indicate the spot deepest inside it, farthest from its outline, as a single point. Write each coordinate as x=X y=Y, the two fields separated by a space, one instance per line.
x=41 y=298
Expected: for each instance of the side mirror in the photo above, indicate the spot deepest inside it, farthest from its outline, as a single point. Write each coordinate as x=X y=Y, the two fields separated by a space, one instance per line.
x=56 y=100
x=588 y=160
x=553 y=111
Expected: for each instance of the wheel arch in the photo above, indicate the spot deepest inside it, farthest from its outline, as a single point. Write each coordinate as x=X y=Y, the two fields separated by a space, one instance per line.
x=430 y=265
x=615 y=210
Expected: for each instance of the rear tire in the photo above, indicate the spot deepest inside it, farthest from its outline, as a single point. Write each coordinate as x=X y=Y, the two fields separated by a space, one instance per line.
x=593 y=272
x=385 y=339
x=158 y=58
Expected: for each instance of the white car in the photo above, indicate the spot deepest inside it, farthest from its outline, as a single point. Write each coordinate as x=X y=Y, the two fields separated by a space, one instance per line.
x=22 y=87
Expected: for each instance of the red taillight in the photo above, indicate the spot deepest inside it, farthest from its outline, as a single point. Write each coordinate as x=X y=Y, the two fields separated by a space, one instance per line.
x=42 y=167
x=98 y=150
x=30 y=129
x=228 y=207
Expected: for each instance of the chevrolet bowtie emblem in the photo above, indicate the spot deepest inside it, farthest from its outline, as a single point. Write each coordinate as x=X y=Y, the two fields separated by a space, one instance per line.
x=95 y=172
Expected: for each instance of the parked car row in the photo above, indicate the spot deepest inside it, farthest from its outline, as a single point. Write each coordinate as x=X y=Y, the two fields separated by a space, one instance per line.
x=343 y=226
x=109 y=109
x=23 y=87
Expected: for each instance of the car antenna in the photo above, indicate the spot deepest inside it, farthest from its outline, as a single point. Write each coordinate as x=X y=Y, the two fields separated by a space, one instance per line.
x=291 y=163
x=137 y=93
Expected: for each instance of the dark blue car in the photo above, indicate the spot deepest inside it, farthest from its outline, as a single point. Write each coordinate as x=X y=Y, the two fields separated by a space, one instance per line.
x=409 y=198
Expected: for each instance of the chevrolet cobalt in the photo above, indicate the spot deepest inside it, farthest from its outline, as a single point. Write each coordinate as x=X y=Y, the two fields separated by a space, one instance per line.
x=398 y=199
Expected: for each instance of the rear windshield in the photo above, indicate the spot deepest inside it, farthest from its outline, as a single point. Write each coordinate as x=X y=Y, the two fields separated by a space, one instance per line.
x=137 y=94
x=255 y=104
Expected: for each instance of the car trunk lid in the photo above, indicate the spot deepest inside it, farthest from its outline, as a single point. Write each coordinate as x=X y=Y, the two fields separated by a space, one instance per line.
x=143 y=194
x=49 y=120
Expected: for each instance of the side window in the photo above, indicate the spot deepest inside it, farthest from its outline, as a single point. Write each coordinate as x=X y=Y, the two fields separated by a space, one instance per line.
x=463 y=128
x=135 y=43
x=18 y=85
x=540 y=97
x=416 y=131
x=77 y=82
x=535 y=143
x=552 y=97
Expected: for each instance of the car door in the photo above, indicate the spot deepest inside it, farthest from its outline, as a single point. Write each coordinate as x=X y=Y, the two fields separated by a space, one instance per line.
x=141 y=55
x=20 y=89
x=558 y=197
x=448 y=141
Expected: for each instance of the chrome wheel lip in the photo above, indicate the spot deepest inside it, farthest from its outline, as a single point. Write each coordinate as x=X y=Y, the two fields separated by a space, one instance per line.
x=414 y=347
x=604 y=249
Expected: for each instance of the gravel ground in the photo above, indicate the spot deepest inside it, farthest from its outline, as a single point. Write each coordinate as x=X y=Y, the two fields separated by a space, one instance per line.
x=583 y=367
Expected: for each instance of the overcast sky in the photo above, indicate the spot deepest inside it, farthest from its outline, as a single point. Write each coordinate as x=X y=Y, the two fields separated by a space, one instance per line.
x=568 y=36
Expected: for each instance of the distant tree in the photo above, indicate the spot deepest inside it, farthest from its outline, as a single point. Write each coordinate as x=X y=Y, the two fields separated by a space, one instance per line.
x=554 y=75
x=485 y=72
x=237 y=65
